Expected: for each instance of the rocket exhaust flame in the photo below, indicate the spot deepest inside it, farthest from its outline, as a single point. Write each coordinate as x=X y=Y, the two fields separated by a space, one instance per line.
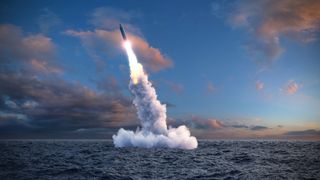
x=136 y=69
x=151 y=112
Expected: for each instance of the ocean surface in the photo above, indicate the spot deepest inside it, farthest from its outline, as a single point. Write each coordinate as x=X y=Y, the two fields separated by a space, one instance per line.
x=88 y=159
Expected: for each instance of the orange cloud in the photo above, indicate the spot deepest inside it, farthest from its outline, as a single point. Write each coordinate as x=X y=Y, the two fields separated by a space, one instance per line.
x=150 y=56
x=106 y=38
x=271 y=20
x=38 y=44
x=215 y=123
x=110 y=42
x=43 y=66
x=292 y=87
x=37 y=51
x=199 y=122
x=297 y=19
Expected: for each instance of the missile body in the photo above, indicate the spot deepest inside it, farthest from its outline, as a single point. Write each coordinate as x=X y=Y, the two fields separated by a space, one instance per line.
x=123 y=34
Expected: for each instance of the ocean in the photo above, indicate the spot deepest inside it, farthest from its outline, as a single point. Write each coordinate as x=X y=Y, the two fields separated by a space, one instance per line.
x=97 y=159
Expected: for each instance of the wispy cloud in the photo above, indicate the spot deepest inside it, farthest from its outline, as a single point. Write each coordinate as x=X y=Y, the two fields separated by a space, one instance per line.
x=10 y=104
x=211 y=128
x=258 y=128
x=203 y=123
x=35 y=51
x=197 y=122
x=291 y=87
x=109 y=18
x=309 y=132
x=269 y=21
x=107 y=39
x=43 y=66
x=4 y=116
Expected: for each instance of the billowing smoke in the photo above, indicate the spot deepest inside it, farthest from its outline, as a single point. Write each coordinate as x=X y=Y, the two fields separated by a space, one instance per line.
x=152 y=114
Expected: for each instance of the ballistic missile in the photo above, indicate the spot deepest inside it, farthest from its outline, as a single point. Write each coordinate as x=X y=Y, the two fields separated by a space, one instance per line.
x=123 y=34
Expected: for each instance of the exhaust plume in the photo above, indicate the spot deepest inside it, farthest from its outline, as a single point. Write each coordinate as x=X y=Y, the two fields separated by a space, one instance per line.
x=152 y=115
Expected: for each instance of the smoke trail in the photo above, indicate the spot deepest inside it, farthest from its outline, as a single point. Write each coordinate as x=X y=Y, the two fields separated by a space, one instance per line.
x=152 y=114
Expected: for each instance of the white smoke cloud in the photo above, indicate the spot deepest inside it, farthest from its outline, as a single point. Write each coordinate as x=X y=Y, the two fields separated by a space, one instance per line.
x=174 y=138
x=152 y=115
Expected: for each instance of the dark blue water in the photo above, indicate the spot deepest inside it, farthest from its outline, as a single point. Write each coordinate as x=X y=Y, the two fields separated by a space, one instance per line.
x=211 y=160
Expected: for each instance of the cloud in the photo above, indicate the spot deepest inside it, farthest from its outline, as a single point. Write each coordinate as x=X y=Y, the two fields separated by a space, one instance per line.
x=212 y=128
x=240 y=126
x=201 y=123
x=258 y=128
x=270 y=21
x=292 y=87
x=106 y=41
x=109 y=18
x=35 y=51
x=280 y=126
x=38 y=44
x=29 y=104
x=4 y=116
x=151 y=57
x=10 y=104
x=43 y=66
x=259 y=85
x=309 y=132
x=215 y=123
x=34 y=104
x=197 y=122
x=53 y=106
x=101 y=41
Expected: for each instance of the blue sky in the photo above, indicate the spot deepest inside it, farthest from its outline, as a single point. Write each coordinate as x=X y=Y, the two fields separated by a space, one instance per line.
x=237 y=62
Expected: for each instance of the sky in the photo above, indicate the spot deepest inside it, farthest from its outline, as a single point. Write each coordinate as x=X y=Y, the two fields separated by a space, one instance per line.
x=226 y=69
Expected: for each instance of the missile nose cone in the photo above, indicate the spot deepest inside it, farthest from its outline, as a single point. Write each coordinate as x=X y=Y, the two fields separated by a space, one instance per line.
x=123 y=34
